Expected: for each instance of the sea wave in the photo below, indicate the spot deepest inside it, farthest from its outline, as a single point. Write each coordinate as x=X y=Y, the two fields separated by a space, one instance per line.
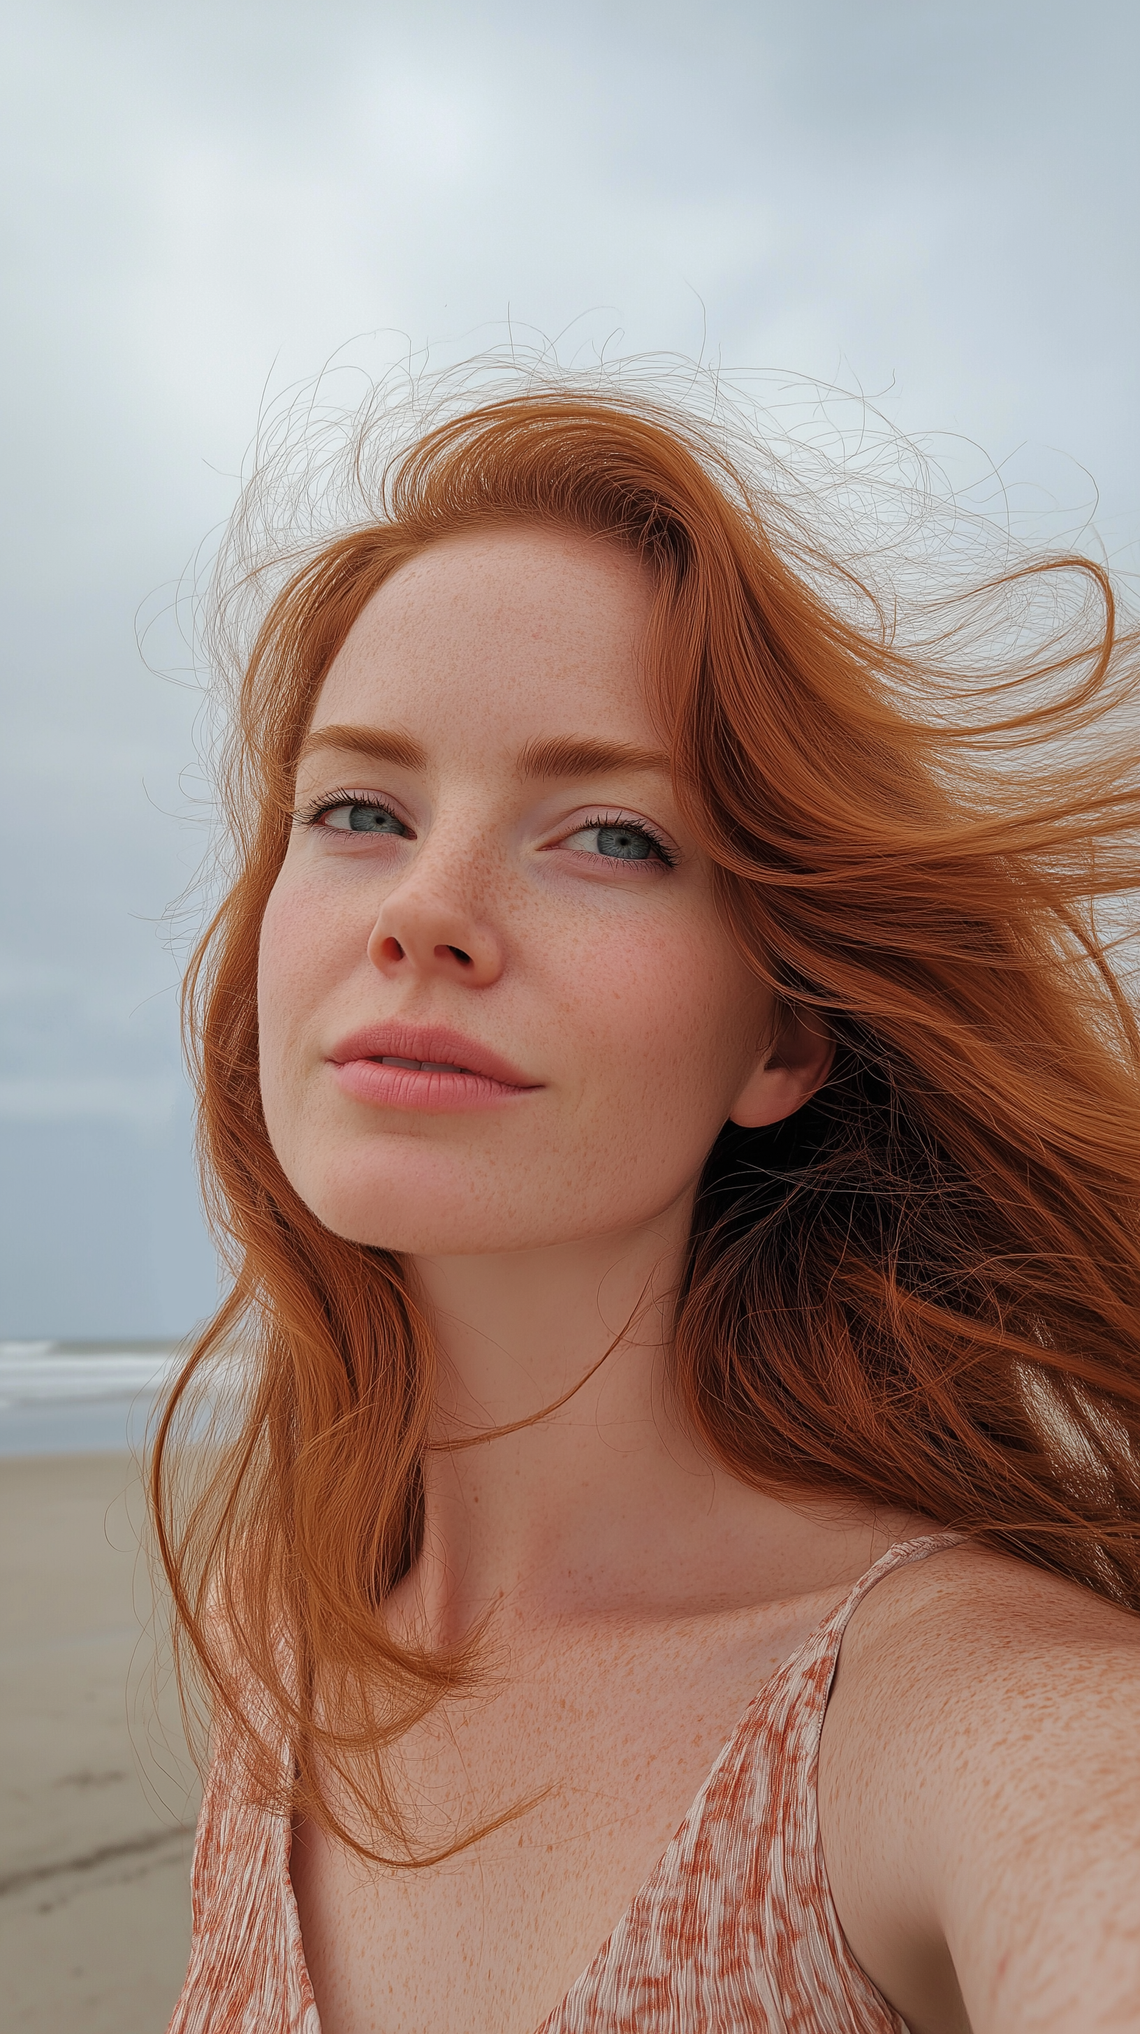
x=52 y=1373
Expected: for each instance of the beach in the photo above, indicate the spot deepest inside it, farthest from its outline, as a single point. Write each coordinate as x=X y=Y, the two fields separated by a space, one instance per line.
x=97 y=1794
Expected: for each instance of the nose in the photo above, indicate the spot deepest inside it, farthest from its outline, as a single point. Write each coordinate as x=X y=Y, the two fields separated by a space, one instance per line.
x=425 y=928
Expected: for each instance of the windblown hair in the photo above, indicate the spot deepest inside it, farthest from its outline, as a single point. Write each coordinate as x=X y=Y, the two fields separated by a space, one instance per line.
x=922 y=1290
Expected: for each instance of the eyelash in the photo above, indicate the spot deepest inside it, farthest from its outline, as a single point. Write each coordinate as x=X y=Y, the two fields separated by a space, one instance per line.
x=642 y=826
x=311 y=815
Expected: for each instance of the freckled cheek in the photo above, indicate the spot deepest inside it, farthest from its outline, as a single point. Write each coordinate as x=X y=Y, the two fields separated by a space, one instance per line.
x=671 y=1016
x=305 y=950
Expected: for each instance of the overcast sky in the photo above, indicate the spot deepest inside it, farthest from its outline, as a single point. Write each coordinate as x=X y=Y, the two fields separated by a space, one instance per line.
x=935 y=204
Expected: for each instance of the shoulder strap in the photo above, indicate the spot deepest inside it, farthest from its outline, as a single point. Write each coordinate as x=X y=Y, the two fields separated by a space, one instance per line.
x=793 y=1702
x=899 y=1556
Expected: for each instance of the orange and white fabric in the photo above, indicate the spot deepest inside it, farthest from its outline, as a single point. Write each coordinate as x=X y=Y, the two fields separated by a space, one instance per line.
x=734 y=1932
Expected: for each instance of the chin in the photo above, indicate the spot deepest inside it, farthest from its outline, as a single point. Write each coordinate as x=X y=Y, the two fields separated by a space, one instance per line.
x=461 y=1216
x=411 y=1232
x=426 y=1217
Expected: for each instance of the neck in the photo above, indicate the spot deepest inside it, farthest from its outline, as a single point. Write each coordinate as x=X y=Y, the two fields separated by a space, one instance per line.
x=609 y=1505
x=570 y=1505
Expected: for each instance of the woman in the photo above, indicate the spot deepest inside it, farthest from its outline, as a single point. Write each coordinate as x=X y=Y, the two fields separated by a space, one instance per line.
x=675 y=1118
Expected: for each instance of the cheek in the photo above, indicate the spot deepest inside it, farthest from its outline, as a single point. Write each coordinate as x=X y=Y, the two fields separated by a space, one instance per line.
x=301 y=952
x=678 y=1021
x=279 y=978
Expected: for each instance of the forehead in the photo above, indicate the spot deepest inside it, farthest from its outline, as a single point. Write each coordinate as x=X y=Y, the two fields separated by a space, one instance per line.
x=493 y=635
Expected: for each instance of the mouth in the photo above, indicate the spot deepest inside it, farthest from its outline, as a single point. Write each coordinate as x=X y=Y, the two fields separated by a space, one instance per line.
x=421 y=1065
x=425 y=1067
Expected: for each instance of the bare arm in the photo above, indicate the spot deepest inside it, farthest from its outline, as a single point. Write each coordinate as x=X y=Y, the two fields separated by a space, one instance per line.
x=980 y=1800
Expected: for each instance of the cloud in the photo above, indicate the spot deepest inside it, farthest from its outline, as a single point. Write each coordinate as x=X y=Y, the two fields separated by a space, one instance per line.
x=144 y=1104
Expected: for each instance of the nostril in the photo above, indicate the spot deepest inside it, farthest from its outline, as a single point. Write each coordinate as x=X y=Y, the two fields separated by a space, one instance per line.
x=465 y=958
x=391 y=950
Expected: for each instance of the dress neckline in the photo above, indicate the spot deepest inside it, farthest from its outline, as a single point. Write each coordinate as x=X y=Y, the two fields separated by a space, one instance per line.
x=725 y=1754
x=897 y=1555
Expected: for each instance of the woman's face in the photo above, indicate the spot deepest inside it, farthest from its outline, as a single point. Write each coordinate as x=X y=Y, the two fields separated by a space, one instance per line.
x=490 y=881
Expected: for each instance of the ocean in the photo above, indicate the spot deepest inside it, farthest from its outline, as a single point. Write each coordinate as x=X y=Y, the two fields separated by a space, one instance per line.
x=70 y=1398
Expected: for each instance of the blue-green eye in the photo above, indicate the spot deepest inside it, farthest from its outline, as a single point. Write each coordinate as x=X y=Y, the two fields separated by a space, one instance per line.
x=362 y=818
x=625 y=843
x=618 y=841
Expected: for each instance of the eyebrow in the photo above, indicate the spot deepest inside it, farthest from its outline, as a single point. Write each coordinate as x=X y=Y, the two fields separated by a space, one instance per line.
x=554 y=756
x=380 y=744
x=571 y=756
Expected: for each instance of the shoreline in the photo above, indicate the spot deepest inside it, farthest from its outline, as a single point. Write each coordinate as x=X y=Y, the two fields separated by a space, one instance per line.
x=81 y=1398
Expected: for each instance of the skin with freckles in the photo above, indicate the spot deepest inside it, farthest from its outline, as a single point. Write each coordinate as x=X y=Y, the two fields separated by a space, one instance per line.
x=490 y=887
x=608 y=980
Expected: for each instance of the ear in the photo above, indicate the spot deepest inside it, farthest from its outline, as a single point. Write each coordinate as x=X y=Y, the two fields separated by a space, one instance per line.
x=794 y=1067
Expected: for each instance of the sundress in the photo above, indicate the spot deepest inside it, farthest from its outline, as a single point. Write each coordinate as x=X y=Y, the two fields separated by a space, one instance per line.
x=733 y=1932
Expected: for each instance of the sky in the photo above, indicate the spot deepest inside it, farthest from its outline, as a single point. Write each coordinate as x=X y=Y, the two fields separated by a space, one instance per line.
x=201 y=205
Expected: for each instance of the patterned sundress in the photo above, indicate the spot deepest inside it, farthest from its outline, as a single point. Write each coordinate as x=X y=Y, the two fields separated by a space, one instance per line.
x=733 y=1932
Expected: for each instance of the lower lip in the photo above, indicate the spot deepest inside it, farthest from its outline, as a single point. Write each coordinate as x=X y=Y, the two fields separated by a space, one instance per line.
x=433 y=1094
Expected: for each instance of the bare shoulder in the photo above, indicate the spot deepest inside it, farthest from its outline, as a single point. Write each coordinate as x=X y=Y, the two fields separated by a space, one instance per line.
x=966 y=1607
x=980 y=1796
x=971 y=1659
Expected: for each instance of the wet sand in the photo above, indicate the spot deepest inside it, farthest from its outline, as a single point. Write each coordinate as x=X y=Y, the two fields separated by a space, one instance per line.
x=97 y=1795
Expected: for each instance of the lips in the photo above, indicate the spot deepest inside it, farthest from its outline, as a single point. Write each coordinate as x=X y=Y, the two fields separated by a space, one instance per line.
x=405 y=1066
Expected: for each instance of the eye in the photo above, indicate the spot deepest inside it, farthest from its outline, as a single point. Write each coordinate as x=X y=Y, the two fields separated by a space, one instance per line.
x=355 y=815
x=362 y=818
x=619 y=840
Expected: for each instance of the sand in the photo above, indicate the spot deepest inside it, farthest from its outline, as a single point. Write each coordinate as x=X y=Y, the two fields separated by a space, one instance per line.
x=97 y=1795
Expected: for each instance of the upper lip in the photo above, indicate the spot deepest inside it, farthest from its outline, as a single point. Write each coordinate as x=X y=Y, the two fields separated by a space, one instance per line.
x=433 y=1042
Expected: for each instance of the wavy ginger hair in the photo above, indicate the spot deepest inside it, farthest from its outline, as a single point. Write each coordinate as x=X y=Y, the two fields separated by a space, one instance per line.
x=920 y=1292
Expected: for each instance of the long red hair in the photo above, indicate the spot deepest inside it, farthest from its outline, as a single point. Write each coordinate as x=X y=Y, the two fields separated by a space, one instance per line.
x=921 y=1291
